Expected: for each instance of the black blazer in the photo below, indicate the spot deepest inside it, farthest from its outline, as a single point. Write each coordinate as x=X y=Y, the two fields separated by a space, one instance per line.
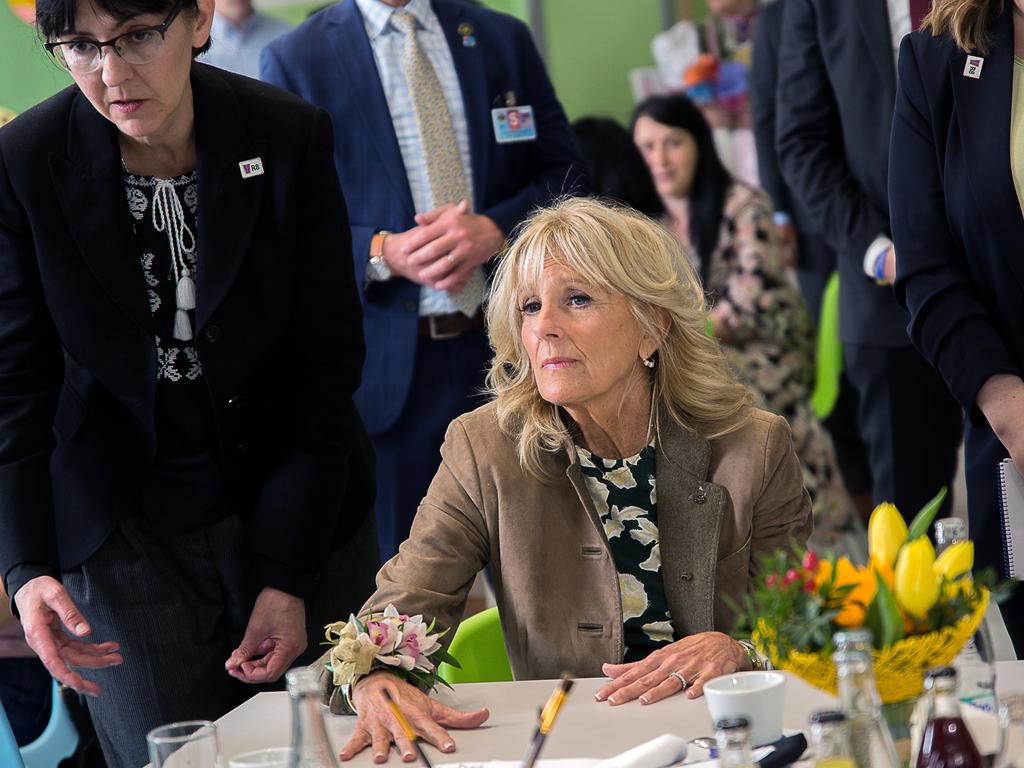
x=956 y=219
x=837 y=87
x=278 y=328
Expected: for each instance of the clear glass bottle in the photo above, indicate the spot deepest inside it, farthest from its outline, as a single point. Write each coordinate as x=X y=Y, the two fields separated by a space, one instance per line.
x=949 y=530
x=871 y=741
x=853 y=639
x=310 y=746
x=830 y=740
x=734 y=746
x=946 y=742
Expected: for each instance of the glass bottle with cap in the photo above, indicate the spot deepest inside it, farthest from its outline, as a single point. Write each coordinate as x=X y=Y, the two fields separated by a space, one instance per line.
x=946 y=742
x=830 y=739
x=871 y=741
x=310 y=745
x=853 y=639
x=948 y=531
x=734 y=747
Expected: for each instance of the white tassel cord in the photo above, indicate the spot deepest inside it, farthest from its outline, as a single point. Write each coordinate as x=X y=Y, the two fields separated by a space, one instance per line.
x=169 y=217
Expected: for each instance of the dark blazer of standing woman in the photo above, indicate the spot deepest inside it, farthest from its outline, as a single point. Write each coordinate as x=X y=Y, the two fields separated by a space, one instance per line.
x=958 y=230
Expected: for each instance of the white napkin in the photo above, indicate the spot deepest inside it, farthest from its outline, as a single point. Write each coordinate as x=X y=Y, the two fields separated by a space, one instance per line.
x=659 y=752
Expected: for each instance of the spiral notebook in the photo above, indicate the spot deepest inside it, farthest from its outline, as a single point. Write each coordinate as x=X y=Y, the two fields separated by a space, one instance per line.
x=1011 y=504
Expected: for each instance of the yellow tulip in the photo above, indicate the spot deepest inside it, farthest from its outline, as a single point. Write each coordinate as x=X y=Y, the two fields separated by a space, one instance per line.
x=956 y=560
x=886 y=533
x=917 y=586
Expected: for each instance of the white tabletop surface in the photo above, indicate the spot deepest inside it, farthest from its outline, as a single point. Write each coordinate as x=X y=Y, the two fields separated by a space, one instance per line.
x=585 y=728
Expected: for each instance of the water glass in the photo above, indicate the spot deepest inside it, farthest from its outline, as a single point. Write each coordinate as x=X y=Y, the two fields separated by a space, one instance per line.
x=273 y=757
x=1011 y=722
x=188 y=744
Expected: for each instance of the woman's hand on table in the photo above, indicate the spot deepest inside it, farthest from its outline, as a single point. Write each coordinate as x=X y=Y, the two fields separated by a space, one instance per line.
x=695 y=659
x=377 y=728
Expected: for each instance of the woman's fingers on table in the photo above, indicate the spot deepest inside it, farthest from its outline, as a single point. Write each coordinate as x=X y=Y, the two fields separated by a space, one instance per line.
x=380 y=741
x=359 y=741
x=450 y=717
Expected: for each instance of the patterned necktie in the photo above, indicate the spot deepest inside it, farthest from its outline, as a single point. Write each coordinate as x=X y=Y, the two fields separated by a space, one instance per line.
x=918 y=10
x=440 y=149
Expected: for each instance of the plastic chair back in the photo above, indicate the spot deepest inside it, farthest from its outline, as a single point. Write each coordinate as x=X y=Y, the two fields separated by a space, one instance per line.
x=9 y=753
x=479 y=646
x=829 y=355
x=58 y=740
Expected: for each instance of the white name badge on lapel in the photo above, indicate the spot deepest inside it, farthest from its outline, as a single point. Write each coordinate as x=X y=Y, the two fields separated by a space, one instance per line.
x=973 y=67
x=513 y=124
x=250 y=168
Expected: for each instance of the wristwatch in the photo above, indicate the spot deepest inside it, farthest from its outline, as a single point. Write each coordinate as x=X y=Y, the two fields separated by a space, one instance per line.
x=377 y=268
x=752 y=654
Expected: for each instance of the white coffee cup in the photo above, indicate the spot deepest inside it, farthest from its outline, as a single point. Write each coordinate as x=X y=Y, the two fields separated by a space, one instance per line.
x=757 y=696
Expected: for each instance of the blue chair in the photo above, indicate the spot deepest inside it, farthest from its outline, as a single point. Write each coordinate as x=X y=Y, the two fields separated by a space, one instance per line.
x=57 y=742
x=10 y=755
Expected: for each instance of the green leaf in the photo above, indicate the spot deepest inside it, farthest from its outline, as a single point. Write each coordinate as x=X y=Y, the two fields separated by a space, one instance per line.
x=923 y=519
x=890 y=618
x=447 y=658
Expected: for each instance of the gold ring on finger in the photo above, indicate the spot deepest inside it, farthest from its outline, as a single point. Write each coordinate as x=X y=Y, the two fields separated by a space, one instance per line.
x=679 y=676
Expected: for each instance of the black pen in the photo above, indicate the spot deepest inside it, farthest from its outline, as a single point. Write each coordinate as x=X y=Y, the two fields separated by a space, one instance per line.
x=547 y=719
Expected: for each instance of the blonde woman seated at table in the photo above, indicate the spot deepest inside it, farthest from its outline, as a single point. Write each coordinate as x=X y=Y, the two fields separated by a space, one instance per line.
x=620 y=484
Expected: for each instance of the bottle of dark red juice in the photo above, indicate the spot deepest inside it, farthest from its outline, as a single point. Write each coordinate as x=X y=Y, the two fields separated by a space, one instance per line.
x=946 y=742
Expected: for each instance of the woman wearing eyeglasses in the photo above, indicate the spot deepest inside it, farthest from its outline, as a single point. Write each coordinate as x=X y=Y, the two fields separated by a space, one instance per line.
x=180 y=337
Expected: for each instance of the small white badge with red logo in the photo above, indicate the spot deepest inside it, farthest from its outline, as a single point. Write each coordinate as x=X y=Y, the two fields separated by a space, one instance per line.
x=250 y=168
x=973 y=67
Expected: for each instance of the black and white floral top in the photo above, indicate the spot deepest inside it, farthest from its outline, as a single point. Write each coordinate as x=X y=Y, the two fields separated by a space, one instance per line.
x=186 y=484
x=625 y=497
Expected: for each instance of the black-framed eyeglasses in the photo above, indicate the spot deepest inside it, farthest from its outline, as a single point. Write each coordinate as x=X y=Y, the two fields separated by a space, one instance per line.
x=139 y=46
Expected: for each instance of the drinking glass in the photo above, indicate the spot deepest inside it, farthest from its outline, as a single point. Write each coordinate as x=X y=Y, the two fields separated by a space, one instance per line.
x=1011 y=723
x=273 y=757
x=188 y=744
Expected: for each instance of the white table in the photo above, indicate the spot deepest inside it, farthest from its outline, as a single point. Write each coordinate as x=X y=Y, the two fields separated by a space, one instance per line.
x=585 y=727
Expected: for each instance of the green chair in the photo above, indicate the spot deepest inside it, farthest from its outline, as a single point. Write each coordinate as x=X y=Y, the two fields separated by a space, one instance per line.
x=479 y=647
x=829 y=354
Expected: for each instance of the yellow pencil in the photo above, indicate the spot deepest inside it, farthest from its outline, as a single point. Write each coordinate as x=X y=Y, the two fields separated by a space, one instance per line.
x=547 y=719
x=410 y=734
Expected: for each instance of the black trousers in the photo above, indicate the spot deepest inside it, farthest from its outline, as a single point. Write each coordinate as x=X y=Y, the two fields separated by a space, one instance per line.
x=910 y=423
x=446 y=383
x=25 y=694
x=177 y=605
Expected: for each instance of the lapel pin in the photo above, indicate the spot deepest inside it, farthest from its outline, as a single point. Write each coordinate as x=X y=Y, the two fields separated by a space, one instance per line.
x=466 y=32
x=973 y=67
x=250 y=168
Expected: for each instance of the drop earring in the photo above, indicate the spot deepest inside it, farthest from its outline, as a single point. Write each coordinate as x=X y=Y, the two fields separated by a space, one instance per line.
x=649 y=362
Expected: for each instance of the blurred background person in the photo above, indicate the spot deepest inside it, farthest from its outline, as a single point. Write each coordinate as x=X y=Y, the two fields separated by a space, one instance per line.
x=758 y=315
x=617 y=169
x=447 y=133
x=238 y=36
x=836 y=90
x=802 y=247
x=956 y=185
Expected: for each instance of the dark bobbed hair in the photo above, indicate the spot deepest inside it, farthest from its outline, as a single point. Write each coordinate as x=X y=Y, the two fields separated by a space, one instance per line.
x=711 y=180
x=617 y=169
x=55 y=17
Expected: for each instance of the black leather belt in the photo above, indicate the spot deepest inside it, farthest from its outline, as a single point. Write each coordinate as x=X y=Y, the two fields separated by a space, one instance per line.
x=450 y=326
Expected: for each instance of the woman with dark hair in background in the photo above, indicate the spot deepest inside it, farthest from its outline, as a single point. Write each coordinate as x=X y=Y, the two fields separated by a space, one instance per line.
x=758 y=314
x=617 y=170
x=956 y=195
x=181 y=338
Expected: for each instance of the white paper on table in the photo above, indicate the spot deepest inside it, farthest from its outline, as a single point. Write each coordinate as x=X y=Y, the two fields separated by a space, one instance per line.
x=659 y=752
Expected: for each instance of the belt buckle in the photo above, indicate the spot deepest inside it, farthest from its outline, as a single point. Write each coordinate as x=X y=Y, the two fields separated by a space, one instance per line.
x=436 y=333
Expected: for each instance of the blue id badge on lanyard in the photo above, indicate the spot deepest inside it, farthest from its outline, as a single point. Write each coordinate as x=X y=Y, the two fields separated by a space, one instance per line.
x=513 y=124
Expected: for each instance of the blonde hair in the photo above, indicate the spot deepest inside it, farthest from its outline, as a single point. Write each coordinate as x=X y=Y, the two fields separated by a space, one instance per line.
x=966 y=21
x=622 y=251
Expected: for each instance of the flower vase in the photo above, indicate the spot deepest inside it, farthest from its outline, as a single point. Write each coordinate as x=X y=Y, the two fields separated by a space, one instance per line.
x=898 y=716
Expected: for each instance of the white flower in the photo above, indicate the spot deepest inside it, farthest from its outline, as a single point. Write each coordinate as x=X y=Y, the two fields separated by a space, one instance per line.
x=659 y=631
x=634 y=596
x=646 y=531
x=630 y=513
x=620 y=478
x=653 y=563
x=598 y=494
x=654 y=494
x=612 y=527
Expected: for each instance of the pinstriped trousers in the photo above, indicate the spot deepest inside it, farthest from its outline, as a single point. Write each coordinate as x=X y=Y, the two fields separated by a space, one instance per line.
x=177 y=604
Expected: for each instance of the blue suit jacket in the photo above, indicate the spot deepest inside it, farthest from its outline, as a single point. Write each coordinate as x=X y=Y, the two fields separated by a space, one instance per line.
x=956 y=221
x=328 y=61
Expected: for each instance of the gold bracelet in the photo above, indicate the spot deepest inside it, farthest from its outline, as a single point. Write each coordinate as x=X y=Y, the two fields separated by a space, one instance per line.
x=752 y=654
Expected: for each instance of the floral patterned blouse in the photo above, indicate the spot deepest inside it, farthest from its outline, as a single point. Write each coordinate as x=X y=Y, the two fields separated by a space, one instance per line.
x=624 y=495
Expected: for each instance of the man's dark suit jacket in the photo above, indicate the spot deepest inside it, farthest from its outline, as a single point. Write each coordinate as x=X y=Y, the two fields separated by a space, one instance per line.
x=277 y=323
x=837 y=87
x=328 y=60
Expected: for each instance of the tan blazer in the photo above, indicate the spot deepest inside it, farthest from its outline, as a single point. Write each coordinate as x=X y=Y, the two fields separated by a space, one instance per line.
x=721 y=504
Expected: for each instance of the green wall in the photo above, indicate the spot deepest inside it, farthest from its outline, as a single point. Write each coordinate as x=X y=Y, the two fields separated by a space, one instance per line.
x=27 y=73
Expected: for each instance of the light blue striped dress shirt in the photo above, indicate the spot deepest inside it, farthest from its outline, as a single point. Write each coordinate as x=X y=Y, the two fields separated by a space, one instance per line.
x=388 y=45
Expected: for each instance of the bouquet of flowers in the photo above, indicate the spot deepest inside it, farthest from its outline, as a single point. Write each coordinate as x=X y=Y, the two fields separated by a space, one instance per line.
x=920 y=609
x=404 y=645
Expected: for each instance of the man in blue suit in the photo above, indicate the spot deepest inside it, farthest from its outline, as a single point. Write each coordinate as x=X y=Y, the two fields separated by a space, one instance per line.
x=447 y=133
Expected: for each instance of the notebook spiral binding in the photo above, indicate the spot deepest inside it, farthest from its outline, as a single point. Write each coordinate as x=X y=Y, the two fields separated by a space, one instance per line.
x=1004 y=522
